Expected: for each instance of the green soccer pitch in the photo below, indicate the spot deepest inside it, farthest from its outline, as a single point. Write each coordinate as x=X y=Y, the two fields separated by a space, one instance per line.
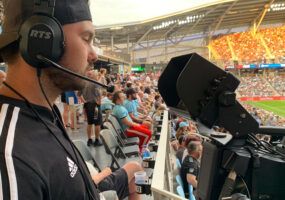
x=277 y=107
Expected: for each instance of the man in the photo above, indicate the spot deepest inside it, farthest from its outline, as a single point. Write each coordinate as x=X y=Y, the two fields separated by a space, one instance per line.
x=190 y=166
x=131 y=128
x=37 y=159
x=2 y=77
x=106 y=105
x=131 y=106
x=92 y=104
x=157 y=103
x=102 y=76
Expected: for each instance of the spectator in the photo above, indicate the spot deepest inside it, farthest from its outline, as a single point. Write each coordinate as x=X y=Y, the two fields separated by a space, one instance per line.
x=182 y=130
x=107 y=103
x=131 y=128
x=191 y=165
x=91 y=96
x=157 y=103
x=131 y=106
x=187 y=139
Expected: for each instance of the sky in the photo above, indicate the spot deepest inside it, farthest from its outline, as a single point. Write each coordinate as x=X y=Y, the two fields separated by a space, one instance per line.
x=105 y=12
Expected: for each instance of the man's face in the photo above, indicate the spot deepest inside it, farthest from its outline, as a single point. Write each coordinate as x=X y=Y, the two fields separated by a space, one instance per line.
x=79 y=55
x=134 y=96
x=122 y=98
x=200 y=151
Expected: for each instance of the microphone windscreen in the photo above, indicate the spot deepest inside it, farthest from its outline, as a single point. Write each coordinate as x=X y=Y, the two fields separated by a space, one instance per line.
x=110 y=88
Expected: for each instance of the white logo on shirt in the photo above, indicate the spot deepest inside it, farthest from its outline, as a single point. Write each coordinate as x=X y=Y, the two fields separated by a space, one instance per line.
x=72 y=167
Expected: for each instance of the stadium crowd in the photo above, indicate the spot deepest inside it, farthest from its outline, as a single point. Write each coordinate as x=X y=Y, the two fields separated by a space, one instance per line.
x=278 y=82
x=263 y=117
x=243 y=44
x=255 y=86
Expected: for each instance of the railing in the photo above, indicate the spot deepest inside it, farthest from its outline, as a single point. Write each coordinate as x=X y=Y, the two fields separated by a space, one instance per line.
x=162 y=182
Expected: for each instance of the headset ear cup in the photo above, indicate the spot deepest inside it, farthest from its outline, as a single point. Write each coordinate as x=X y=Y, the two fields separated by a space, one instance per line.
x=41 y=35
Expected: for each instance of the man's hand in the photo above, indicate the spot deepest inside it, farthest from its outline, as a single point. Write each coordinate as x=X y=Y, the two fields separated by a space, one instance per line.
x=135 y=124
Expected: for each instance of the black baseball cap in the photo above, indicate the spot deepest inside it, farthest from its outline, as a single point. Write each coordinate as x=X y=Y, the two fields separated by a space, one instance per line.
x=17 y=11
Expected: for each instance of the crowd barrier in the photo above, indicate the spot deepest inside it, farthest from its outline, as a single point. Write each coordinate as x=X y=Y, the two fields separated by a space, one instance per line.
x=162 y=182
x=261 y=98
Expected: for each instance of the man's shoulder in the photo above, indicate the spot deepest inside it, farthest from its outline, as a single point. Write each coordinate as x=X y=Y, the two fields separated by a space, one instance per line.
x=189 y=161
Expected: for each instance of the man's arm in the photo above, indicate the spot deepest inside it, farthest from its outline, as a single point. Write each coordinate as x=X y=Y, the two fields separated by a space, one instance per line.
x=128 y=123
x=134 y=118
x=191 y=179
x=97 y=178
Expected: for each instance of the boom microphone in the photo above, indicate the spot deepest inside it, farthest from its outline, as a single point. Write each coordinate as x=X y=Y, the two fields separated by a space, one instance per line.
x=110 y=88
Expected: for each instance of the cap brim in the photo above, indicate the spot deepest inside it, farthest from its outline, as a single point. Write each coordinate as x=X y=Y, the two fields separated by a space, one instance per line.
x=6 y=39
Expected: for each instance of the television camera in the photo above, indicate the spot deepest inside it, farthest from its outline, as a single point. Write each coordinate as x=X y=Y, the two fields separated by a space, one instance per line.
x=235 y=165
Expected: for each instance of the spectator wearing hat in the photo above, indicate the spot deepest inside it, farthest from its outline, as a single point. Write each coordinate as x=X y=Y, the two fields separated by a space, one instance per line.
x=182 y=130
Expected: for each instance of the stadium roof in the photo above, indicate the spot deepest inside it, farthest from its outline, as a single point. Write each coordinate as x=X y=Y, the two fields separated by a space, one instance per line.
x=205 y=19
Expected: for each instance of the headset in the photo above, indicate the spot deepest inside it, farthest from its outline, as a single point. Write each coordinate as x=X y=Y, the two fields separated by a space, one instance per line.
x=41 y=45
x=42 y=34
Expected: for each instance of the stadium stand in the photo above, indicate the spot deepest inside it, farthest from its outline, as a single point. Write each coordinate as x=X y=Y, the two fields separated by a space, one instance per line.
x=267 y=43
x=255 y=86
x=278 y=82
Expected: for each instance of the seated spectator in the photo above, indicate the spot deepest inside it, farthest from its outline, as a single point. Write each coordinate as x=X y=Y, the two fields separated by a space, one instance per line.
x=131 y=106
x=132 y=129
x=157 y=103
x=181 y=148
x=182 y=130
x=122 y=180
x=187 y=139
x=106 y=104
x=190 y=166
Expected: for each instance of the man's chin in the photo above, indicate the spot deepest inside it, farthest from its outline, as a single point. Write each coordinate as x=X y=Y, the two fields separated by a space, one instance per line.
x=67 y=82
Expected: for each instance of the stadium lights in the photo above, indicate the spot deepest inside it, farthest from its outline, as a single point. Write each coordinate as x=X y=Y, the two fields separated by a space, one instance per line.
x=276 y=7
x=186 y=20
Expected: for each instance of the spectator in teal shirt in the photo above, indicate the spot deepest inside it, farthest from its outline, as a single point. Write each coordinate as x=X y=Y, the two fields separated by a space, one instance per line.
x=131 y=107
x=106 y=104
x=130 y=127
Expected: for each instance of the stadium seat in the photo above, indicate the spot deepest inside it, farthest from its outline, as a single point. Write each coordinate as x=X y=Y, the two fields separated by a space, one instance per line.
x=120 y=130
x=179 y=180
x=180 y=191
x=122 y=142
x=178 y=163
x=191 y=196
x=83 y=149
x=114 y=147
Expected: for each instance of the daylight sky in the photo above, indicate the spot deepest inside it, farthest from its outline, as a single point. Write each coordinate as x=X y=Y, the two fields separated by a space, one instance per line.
x=105 y=12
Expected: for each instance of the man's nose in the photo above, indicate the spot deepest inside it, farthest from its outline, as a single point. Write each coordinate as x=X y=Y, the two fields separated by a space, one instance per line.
x=92 y=57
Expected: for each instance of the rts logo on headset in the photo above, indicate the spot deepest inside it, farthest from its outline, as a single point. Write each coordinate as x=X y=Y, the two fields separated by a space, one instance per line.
x=40 y=34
